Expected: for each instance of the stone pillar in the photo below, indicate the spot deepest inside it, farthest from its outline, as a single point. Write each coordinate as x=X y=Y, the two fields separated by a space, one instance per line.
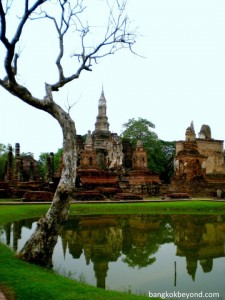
x=31 y=171
x=17 y=166
x=52 y=165
x=9 y=165
x=127 y=153
x=50 y=168
x=17 y=150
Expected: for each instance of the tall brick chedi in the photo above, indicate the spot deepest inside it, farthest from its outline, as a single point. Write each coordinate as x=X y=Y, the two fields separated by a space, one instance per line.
x=101 y=133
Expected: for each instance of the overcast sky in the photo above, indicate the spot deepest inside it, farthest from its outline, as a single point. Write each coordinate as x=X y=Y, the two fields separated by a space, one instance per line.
x=180 y=79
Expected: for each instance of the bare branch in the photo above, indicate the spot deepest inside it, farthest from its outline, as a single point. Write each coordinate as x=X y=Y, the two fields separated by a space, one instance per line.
x=16 y=56
x=3 y=37
x=26 y=6
x=116 y=37
x=10 y=46
x=68 y=15
x=8 y=5
x=48 y=91
x=24 y=94
x=26 y=15
x=68 y=105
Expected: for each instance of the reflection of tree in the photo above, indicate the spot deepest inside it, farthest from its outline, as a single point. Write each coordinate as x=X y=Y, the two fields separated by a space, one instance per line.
x=139 y=256
x=142 y=238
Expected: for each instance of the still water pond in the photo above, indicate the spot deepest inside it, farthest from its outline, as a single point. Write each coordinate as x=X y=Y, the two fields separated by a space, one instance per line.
x=141 y=253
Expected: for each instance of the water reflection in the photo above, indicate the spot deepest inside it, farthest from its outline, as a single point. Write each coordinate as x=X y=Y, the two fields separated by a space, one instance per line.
x=158 y=248
x=104 y=239
x=11 y=233
x=199 y=238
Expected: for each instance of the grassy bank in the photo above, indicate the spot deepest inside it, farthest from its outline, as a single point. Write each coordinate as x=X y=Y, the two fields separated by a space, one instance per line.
x=10 y=213
x=174 y=207
x=23 y=281
x=27 y=281
x=15 y=212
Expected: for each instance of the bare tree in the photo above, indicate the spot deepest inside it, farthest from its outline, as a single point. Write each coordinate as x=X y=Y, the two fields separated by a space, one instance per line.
x=66 y=17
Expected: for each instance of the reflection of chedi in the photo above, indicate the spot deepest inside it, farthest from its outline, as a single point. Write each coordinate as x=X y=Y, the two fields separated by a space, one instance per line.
x=99 y=239
x=199 y=239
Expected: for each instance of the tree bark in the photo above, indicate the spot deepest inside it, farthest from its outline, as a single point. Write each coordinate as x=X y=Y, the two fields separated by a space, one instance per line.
x=39 y=248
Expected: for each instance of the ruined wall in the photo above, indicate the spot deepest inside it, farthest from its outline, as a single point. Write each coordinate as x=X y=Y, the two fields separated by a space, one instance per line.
x=179 y=146
x=213 y=149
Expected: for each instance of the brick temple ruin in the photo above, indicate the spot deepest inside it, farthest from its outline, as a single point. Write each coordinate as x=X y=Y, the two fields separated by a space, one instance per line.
x=109 y=168
x=23 y=177
x=199 y=167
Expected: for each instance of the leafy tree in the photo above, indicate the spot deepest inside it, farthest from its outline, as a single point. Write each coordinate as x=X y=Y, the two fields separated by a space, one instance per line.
x=138 y=130
x=142 y=256
x=57 y=158
x=43 y=157
x=3 y=149
x=42 y=162
x=71 y=29
x=168 y=154
x=159 y=153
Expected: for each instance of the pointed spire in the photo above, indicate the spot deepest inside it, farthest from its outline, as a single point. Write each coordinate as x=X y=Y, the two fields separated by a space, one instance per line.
x=102 y=100
x=102 y=123
x=190 y=133
x=192 y=126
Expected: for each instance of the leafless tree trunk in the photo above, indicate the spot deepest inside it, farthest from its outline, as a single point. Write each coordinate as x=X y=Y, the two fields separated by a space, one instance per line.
x=40 y=246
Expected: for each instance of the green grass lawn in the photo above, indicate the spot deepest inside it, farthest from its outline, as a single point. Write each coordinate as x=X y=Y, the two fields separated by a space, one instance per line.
x=27 y=281
x=15 y=212
x=173 y=207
